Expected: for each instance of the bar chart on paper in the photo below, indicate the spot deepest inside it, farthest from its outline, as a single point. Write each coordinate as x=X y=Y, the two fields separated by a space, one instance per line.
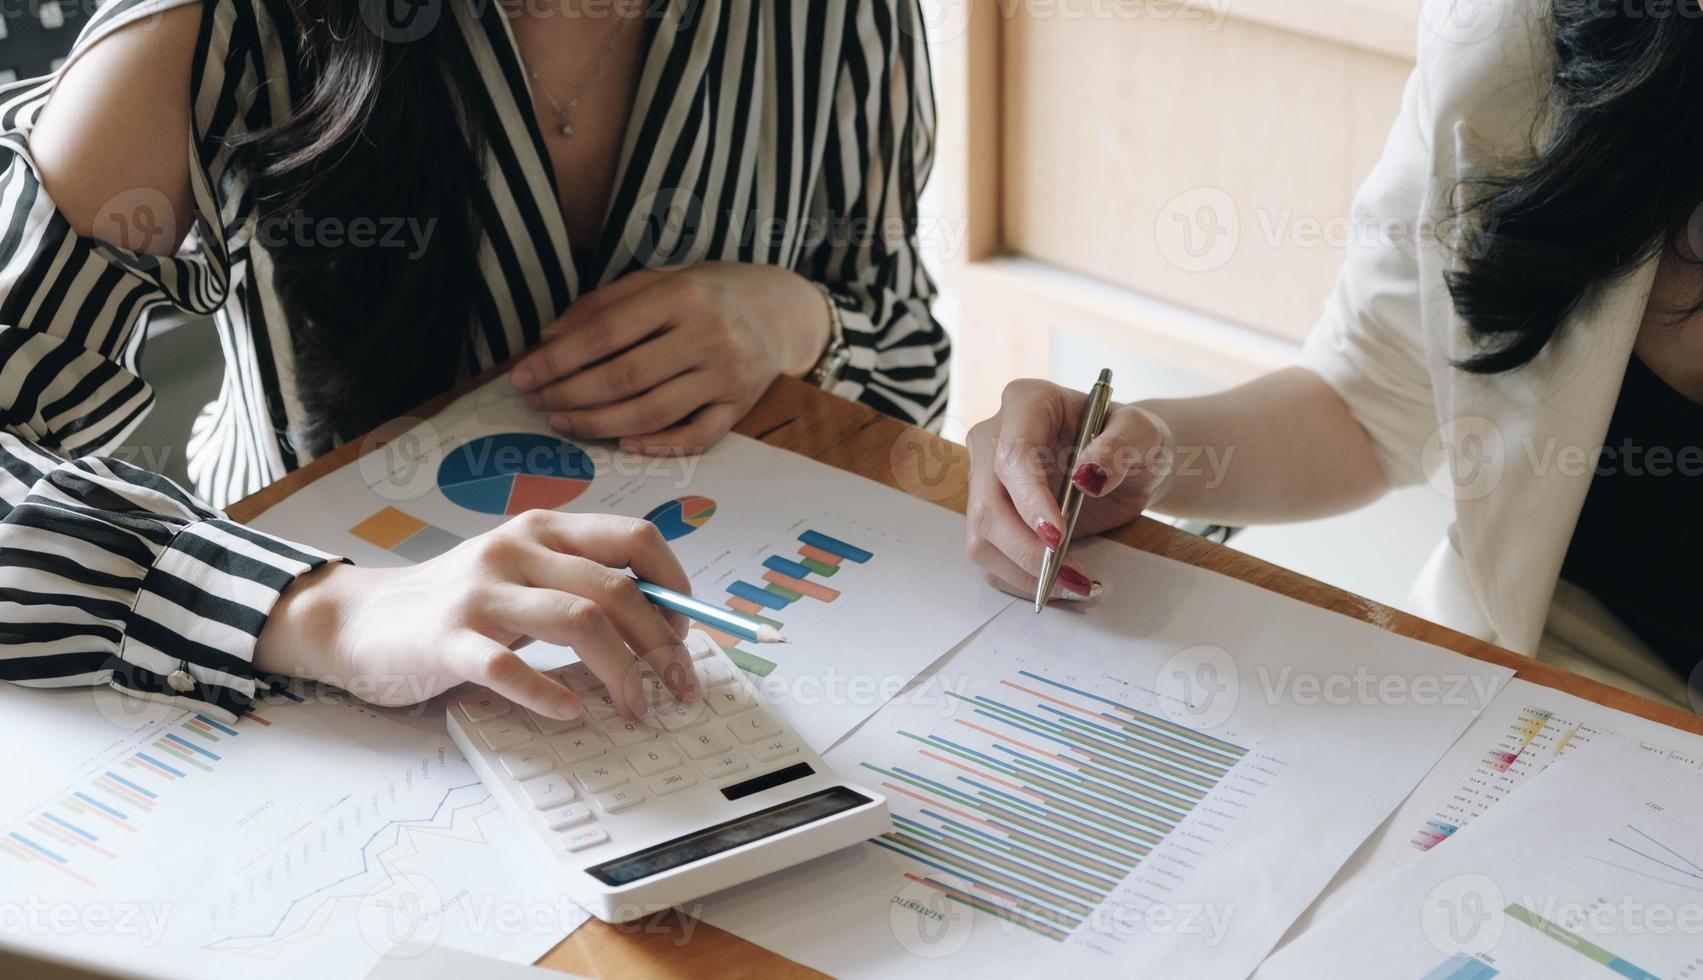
x=266 y=875
x=1041 y=797
x=1647 y=866
x=94 y=822
x=798 y=577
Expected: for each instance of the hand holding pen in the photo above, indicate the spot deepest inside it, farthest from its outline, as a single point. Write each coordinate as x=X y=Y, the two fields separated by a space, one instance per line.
x=1022 y=458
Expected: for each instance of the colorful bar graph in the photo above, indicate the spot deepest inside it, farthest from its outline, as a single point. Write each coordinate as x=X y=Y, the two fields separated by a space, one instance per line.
x=1577 y=943
x=785 y=580
x=1033 y=805
x=834 y=546
x=70 y=833
x=761 y=597
x=801 y=587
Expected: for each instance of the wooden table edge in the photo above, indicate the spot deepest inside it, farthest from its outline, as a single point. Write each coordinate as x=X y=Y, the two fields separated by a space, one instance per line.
x=849 y=436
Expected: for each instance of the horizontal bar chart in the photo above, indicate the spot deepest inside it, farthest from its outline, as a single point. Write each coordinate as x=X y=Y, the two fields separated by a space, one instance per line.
x=786 y=580
x=75 y=833
x=1033 y=805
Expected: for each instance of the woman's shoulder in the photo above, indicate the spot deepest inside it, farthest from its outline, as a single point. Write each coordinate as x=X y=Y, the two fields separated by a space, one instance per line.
x=1485 y=68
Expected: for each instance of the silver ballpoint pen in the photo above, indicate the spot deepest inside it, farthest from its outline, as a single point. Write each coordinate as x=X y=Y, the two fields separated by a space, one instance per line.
x=1070 y=498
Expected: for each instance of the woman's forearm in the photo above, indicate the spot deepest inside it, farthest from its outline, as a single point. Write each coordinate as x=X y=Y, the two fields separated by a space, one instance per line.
x=1280 y=448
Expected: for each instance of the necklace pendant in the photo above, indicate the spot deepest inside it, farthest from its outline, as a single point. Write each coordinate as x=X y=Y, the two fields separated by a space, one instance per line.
x=566 y=129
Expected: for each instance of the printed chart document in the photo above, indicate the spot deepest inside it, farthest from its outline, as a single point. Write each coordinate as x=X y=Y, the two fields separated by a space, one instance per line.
x=870 y=585
x=312 y=838
x=1156 y=787
x=1592 y=869
x=1526 y=728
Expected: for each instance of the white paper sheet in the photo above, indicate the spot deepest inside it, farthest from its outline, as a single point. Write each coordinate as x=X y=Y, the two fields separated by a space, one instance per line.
x=307 y=841
x=1526 y=727
x=873 y=620
x=1594 y=868
x=1154 y=788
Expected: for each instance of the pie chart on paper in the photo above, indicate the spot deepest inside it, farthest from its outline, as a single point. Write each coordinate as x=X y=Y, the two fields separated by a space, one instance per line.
x=678 y=518
x=515 y=472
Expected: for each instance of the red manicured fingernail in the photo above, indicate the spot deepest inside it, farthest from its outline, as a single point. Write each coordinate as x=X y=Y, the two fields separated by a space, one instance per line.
x=1075 y=582
x=1090 y=478
x=1049 y=534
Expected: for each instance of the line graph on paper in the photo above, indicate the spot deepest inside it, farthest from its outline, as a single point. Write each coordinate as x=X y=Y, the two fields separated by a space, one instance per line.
x=348 y=860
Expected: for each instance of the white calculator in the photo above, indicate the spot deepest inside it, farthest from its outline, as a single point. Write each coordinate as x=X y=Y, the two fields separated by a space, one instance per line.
x=644 y=816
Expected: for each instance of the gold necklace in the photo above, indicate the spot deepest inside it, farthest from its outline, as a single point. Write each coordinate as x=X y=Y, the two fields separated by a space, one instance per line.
x=564 y=124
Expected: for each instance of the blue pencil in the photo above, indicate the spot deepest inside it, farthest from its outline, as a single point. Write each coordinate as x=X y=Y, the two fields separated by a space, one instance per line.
x=709 y=614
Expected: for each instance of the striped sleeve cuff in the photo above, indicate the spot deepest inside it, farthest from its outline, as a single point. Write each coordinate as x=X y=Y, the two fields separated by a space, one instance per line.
x=191 y=634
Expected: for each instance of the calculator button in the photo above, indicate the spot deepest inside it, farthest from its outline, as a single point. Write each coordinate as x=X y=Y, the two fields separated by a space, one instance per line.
x=774 y=748
x=574 y=747
x=730 y=700
x=564 y=817
x=753 y=726
x=615 y=801
x=599 y=705
x=714 y=673
x=649 y=762
x=583 y=838
x=723 y=765
x=525 y=763
x=672 y=782
x=504 y=735
x=706 y=742
x=547 y=792
x=579 y=677
x=553 y=726
x=480 y=708
x=626 y=734
x=677 y=716
x=600 y=776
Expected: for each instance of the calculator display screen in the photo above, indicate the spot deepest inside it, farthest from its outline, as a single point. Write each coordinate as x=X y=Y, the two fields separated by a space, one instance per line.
x=726 y=836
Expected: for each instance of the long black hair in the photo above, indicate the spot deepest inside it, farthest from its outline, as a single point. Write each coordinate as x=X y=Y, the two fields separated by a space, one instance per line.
x=379 y=324
x=1616 y=178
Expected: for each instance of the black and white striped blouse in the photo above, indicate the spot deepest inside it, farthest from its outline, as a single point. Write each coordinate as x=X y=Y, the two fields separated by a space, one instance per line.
x=805 y=129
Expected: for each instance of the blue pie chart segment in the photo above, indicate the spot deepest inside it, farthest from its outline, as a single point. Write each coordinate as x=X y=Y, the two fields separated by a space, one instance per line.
x=515 y=472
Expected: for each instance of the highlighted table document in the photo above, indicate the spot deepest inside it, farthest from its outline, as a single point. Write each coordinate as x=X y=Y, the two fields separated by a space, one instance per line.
x=1593 y=869
x=1526 y=728
x=1156 y=787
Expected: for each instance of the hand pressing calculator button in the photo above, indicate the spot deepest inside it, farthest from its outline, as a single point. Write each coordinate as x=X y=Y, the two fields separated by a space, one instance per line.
x=695 y=798
x=484 y=707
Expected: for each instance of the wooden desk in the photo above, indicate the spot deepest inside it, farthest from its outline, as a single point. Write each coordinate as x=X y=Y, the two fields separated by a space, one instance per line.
x=800 y=418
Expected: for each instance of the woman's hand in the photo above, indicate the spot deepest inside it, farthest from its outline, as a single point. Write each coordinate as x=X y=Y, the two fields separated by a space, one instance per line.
x=1016 y=462
x=669 y=361
x=397 y=636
